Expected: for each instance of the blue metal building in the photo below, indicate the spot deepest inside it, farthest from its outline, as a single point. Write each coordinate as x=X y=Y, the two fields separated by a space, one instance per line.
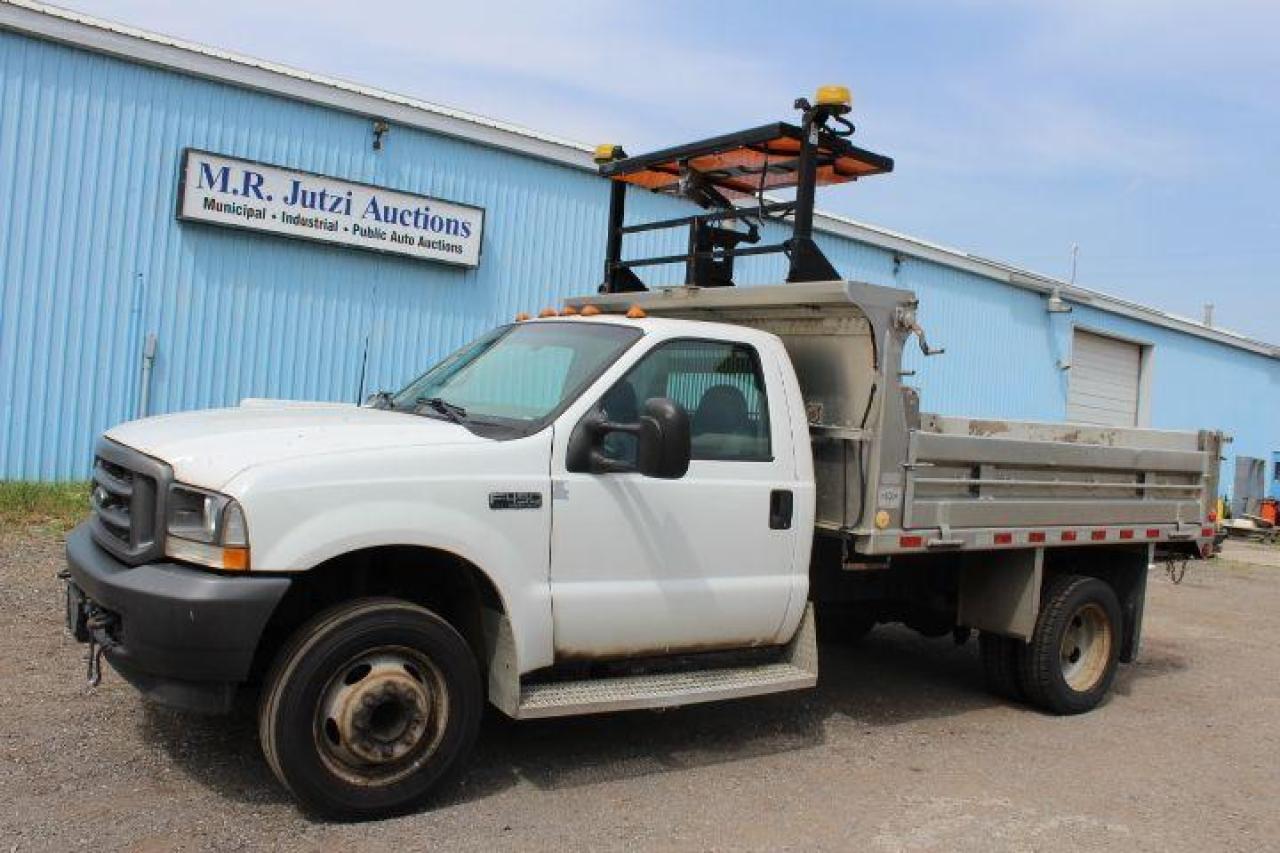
x=94 y=119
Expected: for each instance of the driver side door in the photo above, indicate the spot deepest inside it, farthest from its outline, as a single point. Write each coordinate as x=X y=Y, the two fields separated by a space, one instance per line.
x=641 y=565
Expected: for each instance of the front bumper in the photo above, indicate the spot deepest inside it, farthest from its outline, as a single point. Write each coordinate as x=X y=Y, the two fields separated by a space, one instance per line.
x=185 y=637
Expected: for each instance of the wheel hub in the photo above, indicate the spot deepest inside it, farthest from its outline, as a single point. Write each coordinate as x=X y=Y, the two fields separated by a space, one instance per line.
x=1086 y=647
x=378 y=712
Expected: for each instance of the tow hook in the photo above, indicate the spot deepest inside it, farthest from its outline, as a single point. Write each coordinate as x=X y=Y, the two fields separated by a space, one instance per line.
x=100 y=641
x=94 y=658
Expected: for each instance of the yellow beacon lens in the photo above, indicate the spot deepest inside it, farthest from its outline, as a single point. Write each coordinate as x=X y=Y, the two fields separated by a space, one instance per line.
x=605 y=153
x=834 y=96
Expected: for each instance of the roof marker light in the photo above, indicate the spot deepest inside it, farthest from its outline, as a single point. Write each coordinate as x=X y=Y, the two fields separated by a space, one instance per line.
x=1068 y=536
x=607 y=152
x=635 y=312
x=547 y=312
x=1035 y=536
x=568 y=311
x=1003 y=538
x=589 y=311
x=522 y=316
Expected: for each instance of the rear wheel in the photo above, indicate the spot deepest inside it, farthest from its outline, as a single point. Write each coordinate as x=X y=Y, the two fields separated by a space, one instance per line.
x=1071 y=660
x=1000 y=658
x=843 y=623
x=370 y=707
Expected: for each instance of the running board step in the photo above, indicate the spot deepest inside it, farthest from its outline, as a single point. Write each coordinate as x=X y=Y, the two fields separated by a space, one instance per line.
x=797 y=670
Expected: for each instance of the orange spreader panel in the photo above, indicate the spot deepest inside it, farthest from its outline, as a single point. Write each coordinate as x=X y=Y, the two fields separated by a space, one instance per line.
x=742 y=164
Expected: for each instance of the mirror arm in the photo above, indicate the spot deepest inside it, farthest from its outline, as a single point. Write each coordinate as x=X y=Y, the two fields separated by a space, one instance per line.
x=602 y=464
x=602 y=427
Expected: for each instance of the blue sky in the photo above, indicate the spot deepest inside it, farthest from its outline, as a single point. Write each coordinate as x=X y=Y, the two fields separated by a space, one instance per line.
x=1146 y=131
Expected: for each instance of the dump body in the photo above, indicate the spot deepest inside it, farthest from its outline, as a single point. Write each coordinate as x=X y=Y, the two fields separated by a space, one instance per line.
x=892 y=479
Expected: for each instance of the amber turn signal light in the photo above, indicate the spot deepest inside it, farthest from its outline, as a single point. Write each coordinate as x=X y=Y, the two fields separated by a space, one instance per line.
x=235 y=559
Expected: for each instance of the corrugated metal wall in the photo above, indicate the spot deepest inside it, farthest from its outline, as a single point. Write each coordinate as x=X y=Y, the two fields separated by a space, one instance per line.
x=93 y=259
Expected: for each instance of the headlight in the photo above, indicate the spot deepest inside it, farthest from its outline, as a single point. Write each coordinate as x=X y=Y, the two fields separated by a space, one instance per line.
x=206 y=528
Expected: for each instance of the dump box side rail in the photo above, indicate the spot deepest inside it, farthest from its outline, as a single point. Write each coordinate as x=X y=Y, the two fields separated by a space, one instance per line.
x=972 y=473
x=971 y=483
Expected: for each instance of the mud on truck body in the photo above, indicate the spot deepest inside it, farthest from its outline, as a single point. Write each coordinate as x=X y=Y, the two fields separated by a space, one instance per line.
x=646 y=499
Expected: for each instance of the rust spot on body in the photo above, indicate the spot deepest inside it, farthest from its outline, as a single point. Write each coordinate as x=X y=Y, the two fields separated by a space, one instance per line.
x=651 y=654
x=982 y=428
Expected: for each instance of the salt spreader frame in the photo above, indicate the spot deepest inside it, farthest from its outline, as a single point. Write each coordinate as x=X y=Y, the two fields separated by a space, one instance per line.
x=718 y=173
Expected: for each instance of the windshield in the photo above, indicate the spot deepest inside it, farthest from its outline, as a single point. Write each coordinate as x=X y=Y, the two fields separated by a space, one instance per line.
x=517 y=376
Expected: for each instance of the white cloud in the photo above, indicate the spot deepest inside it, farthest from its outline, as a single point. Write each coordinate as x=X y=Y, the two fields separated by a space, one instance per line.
x=561 y=67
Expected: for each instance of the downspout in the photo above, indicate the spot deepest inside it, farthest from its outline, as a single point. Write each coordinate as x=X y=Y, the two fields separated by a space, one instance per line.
x=144 y=389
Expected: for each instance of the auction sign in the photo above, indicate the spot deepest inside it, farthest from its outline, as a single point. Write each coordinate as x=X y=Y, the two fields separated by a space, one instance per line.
x=260 y=197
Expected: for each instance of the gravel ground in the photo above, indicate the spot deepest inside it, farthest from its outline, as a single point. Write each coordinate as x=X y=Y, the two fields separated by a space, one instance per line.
x=898 y=749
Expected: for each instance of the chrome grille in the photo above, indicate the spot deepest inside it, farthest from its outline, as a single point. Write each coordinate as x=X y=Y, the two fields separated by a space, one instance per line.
x=127 y=498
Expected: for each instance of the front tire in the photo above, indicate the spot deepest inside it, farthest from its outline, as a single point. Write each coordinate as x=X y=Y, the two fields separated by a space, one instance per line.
x=370 y=707
x=1069 y=665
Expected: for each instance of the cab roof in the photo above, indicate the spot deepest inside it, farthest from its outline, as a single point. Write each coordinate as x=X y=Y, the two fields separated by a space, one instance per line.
x=667 y=327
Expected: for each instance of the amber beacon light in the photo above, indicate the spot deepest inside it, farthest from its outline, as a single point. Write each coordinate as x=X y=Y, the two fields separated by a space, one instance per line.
x=837 y=98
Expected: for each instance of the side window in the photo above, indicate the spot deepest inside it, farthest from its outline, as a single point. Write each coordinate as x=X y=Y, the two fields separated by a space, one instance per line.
x=720 y=386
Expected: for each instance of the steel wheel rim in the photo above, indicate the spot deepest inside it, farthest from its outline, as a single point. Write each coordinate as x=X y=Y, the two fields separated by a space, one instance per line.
x=1085 y=650
x=381 y=716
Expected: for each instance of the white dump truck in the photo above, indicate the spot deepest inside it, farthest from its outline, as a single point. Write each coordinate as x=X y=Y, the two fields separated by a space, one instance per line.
x=648 y=498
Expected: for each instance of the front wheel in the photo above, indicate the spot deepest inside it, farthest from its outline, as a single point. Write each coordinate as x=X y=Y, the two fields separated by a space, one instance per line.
x=369 y=708
x=1069 y=665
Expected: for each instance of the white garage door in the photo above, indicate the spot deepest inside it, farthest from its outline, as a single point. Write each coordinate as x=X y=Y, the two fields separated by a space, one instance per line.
x=1104 y=380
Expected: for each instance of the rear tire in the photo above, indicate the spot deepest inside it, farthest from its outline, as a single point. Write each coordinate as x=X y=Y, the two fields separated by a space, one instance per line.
x=1000 y=664
x=370 y=707
x=842 y=623
x=1069 y=665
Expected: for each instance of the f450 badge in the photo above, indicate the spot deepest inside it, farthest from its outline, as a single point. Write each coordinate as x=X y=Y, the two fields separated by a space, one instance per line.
x=515 y=500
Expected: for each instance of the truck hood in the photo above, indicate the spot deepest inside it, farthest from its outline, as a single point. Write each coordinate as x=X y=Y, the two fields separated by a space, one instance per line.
x=208 y=448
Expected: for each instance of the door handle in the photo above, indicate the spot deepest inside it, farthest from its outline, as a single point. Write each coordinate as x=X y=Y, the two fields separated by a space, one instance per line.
x=781 y=504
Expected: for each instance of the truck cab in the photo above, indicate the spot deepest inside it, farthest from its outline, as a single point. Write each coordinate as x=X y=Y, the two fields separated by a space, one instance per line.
x=582 y=490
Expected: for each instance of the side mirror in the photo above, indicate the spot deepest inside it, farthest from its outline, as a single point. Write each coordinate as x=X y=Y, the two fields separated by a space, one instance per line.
x=665 y=446
x=662 y=443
